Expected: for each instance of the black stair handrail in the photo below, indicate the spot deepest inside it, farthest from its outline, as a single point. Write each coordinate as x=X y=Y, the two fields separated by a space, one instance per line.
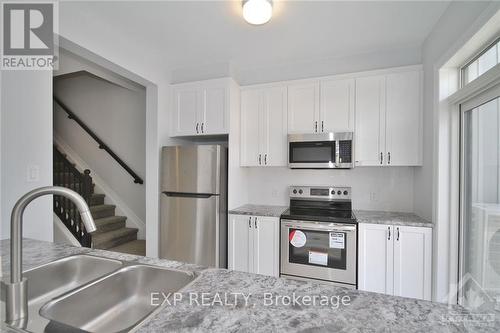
x=102 y=145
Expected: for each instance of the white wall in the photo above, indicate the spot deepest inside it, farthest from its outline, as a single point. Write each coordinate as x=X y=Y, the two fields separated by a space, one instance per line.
x=26 y=140
x=118 y=116
x=457 y=19
x=372 y=188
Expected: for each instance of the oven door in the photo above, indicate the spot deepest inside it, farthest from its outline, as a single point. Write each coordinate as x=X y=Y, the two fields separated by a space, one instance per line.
x=318 y=250
x=312 y=154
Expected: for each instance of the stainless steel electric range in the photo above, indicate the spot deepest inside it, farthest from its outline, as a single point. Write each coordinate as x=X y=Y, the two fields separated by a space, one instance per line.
x=319 y=235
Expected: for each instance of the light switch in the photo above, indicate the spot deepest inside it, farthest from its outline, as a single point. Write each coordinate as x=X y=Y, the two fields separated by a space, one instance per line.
x=33 y=173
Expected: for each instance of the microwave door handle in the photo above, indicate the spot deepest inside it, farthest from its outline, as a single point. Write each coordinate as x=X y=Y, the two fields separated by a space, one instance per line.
x=337 y=154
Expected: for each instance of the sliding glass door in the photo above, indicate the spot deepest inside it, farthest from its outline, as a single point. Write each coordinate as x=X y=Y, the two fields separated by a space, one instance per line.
x=479 y=280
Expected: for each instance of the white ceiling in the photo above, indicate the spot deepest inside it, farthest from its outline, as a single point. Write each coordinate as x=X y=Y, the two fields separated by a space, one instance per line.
x=187 y=34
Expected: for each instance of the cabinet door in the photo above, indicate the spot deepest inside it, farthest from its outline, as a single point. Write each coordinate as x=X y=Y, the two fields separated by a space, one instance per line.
x=404 y=118
x=187 y=107
x=337 y=105
x=412 y=262
x=274 y=134
x=240 y=243
x=303 y=107
x=369 y=120
x=214 y=118
x=266 y=246
x=376 y=258
x=251 y=109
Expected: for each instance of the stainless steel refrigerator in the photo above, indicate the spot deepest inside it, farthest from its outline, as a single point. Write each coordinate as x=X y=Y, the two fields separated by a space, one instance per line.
x=193 y=226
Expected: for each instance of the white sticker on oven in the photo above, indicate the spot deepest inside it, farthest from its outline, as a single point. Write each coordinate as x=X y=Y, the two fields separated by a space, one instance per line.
x=297 y=238
x=337 y=240
x=318 y=258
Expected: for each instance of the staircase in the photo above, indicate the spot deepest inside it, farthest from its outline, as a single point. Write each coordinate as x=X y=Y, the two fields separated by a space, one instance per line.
x=111 y=234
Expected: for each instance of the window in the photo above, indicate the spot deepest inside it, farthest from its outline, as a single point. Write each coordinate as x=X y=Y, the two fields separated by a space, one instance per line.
x=481 y=63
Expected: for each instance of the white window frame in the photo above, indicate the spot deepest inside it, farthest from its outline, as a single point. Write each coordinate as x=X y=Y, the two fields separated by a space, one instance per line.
x=463 y=68
x=475 y=93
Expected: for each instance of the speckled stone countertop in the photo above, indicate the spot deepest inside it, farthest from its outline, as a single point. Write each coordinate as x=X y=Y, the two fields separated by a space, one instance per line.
x=259 y=210
x=395 y=218
x=229 y=301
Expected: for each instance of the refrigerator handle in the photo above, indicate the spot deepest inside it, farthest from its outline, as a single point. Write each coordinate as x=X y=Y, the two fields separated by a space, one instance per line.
x=188 y=195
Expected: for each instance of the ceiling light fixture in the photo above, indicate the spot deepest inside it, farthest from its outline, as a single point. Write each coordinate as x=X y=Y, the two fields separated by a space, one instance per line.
x=257 y=11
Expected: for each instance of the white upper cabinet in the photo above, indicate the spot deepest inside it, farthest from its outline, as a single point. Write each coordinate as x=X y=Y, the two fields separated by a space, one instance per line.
x=336 y=107
x=303 y=107
x=201 y=108
x=403 y=133
x=215 y=116
x=187 y=106
x=389 y=119
x=264 y=126
x=369 y=121
x=251 y=106
x=275 y=126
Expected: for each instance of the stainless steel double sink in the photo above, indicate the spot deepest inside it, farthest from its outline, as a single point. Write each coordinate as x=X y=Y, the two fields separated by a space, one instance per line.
x=95 y=294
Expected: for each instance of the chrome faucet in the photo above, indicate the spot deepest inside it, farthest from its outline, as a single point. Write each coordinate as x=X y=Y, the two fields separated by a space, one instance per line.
x=16 y=301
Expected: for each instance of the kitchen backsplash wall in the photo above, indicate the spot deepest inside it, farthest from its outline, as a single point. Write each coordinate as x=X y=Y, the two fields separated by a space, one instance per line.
x=372 y=188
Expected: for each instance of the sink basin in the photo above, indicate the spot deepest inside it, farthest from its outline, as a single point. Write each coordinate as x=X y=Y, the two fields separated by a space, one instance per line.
x=60 y=276
x=51 y=280
x=117 y=302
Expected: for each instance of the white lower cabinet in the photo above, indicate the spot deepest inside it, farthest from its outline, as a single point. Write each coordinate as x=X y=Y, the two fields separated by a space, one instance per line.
x=395 y=260
x=253 y=244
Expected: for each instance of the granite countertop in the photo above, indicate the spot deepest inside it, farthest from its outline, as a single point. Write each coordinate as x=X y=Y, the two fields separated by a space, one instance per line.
x=259 y=210
x=395 y=218
x=230 y=301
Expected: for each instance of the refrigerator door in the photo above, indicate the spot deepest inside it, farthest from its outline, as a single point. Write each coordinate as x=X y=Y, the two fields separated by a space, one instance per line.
x=192 y=169
x=190 y=228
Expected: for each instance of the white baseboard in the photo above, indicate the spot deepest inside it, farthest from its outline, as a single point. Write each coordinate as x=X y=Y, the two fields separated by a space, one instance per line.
x=122 y=208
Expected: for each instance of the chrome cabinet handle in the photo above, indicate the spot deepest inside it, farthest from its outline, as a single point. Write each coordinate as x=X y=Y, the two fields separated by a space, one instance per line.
x=197 y=131
x=389 y=158
x=202 y=127
x=322 y=126
x=316 y=126
x=250 y=222
x=381 y=158
x=260 y=159
x=389 y=230
x=265 y=159
x=397 y=238
x=255 y=223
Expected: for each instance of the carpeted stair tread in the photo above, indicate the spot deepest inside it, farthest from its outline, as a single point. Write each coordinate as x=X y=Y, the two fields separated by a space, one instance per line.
x=110 y=223
x=109 y=239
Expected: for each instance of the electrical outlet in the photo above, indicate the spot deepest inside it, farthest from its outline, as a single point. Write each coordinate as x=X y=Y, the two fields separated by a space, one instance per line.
x=33 y=174
x=373 y=197
x=274 y=193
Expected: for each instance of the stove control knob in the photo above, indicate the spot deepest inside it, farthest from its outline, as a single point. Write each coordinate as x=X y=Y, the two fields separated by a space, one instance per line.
x=346 y=193
x=300 y=192
x=339 y=192
x=294 y=191
x=332 y=192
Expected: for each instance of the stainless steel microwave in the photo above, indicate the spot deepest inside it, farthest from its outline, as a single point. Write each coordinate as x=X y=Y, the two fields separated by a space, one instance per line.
x=321 y=151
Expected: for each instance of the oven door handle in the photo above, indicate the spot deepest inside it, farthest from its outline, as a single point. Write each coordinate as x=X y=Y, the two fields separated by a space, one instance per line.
x=330 y=228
